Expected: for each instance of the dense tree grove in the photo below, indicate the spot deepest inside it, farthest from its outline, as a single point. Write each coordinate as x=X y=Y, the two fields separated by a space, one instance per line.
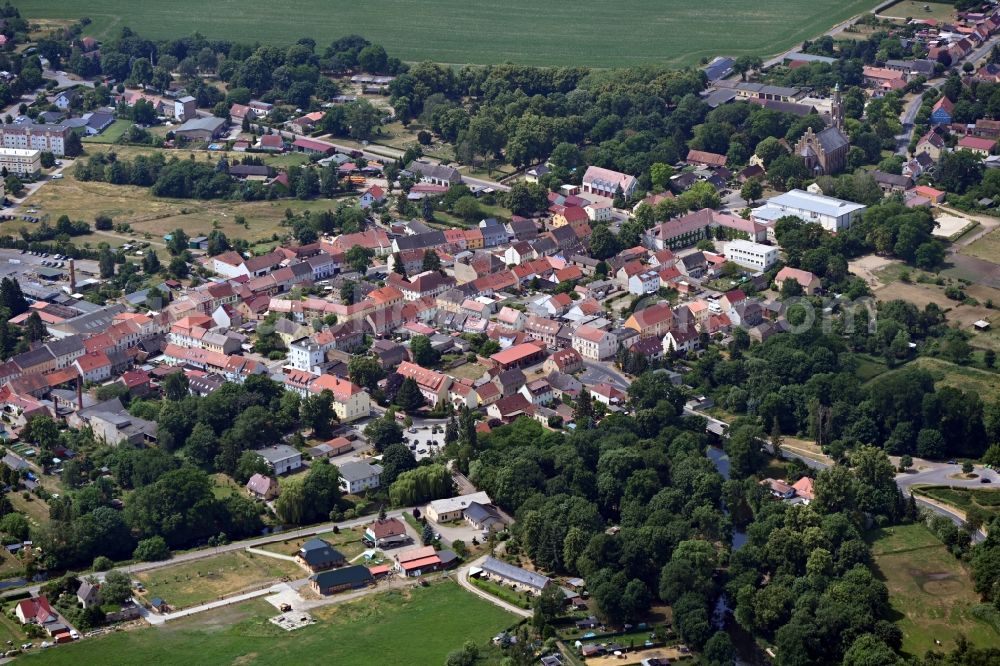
x=806 y=384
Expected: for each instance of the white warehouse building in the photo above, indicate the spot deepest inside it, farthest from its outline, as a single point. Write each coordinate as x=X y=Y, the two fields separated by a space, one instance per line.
x=756 y=256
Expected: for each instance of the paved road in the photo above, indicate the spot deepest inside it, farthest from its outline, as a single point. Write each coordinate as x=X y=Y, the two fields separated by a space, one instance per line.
x=595 y=373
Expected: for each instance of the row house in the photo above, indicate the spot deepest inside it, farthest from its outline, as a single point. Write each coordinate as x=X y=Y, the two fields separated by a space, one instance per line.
x=372 y=239
x=542 y=329
x=488 y=285
x=428 y=283
x=233 y=368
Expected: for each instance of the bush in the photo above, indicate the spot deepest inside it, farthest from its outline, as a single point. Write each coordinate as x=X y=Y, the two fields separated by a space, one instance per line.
x=102 y=563
x=152 y=549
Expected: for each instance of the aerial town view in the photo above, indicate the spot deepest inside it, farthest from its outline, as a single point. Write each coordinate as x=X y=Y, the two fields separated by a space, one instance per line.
x=500 y=334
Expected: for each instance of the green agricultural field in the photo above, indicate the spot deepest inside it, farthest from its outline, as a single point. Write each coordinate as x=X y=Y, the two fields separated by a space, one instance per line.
x=412 y=626
x=930 y=591
x=558 y=32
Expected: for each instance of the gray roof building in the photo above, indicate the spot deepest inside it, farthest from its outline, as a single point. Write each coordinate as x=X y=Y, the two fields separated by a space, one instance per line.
x=515 y=574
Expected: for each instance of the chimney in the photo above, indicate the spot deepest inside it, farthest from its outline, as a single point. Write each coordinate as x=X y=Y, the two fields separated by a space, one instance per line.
x=79 y=392
x=55 y=404
x=72 y=277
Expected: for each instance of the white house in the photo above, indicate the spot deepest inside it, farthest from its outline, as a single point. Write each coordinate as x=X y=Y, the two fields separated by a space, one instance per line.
x=357 y=477
x=305 y=354
x=757 y=256
x=93 y=367
x=599 y=211
x=594 y=344
x=281 y=458
x=681 y=341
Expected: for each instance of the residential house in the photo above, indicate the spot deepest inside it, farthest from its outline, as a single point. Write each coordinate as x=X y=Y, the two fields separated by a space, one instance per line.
x=281 y=458
x=89 y=594
x=537 y=392
x=977 y=145
x=35 y=610
x=891 y=183
x=442 y=511
x=594 y=344
x=318 y=555
x=372 y=196
x=680 y=340
x=931 y=144
x=652 y=321
x=94 y=367
x=565 y=361
x=941 y=112
x=810 y=283
x=358 y=477
x=386 y=533
x=350 y=401
x=263 y=487
x=433 y=385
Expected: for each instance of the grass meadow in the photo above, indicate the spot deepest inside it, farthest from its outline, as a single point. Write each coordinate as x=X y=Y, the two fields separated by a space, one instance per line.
x=558 y=32
x=930 y=591
x=412 y=626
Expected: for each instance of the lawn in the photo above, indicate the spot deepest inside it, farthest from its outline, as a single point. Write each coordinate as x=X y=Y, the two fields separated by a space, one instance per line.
x=204 y=580
x=37 y=510
x=111 y=134
x=942 y=11
x=929 y=590
x=348 y=542
x=223 y=486
x=559 y=32
x=10 y=630
x=156 y=216
x=412 y=626
x=470 y=371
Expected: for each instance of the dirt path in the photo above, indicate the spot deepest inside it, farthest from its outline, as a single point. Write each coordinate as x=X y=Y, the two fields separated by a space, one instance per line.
x=129 y=239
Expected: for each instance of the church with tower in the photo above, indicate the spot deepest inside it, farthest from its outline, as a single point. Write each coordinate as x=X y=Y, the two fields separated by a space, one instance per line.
x=825 y=152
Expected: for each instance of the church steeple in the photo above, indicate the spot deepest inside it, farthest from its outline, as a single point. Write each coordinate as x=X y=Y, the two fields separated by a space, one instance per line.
x=837 y=109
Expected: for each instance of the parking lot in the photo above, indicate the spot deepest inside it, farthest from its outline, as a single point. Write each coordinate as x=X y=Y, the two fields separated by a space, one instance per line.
x=14 y=263
x=425 y=440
